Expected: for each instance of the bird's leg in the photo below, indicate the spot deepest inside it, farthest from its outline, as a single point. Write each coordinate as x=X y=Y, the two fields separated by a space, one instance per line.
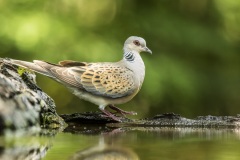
x=109 y=114
x=118 y=110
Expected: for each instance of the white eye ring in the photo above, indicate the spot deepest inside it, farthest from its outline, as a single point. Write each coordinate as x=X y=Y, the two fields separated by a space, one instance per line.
x=136 y=42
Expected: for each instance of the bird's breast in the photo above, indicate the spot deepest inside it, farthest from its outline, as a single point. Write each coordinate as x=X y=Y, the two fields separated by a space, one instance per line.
x=138 y=69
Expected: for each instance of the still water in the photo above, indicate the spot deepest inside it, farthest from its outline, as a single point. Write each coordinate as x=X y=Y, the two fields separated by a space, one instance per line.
x=90 y=143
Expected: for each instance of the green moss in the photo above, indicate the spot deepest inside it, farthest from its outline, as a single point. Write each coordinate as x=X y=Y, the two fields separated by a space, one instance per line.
x=50 y=120
x=22 y=70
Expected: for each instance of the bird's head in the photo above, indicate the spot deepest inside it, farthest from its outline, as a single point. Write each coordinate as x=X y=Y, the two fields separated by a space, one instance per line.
x=137 y=44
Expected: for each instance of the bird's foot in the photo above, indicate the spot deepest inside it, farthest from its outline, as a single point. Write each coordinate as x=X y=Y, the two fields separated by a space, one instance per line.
x=110 y=115
x=118 y=110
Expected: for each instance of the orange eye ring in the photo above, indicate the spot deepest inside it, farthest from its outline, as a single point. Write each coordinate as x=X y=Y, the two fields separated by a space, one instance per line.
x=136 y=42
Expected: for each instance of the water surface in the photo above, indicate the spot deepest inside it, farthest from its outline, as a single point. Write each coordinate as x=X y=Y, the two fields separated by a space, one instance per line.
x=126 y=143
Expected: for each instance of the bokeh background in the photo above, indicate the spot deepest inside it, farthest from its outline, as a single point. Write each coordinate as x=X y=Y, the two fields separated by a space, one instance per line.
x=194 y=68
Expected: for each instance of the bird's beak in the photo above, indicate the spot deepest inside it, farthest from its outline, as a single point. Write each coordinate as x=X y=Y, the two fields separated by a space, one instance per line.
x=146 y=49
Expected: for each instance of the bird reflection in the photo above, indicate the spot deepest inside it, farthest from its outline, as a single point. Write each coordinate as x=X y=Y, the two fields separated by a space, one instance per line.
x=105 y=151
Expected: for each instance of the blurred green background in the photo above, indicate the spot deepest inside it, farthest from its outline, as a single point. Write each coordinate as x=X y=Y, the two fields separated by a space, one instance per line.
x=194 y=69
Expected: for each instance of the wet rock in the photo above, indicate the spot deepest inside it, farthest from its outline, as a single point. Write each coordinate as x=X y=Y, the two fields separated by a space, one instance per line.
x=90 y=118
x=160 y=120
x=175 y=120
x=22 y=103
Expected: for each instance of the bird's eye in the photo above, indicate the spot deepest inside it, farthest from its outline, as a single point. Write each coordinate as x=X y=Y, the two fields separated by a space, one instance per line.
x=136 y=42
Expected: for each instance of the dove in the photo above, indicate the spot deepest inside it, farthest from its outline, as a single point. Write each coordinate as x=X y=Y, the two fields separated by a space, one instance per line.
x=105 y=84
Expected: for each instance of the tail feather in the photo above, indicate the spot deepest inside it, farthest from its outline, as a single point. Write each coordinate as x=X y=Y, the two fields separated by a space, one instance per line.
x=34 y=66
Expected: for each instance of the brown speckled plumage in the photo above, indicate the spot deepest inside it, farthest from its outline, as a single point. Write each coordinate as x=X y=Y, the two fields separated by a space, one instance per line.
x=104 y=83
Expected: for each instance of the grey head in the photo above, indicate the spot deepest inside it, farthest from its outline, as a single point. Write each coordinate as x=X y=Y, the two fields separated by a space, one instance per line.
x=137 y=44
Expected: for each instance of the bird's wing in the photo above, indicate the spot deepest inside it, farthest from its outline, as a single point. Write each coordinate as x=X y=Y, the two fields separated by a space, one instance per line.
x=103 y=79
x=70 y=63
x=107 y=80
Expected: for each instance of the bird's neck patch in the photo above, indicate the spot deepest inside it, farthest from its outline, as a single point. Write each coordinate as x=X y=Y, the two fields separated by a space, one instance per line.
x=129 y=56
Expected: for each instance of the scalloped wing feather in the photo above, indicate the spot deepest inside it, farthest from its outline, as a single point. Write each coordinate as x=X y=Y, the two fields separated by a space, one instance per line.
x=108 y=80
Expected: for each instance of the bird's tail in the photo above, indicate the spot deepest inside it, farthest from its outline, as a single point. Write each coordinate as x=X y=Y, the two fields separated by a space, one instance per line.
x=36 y=65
